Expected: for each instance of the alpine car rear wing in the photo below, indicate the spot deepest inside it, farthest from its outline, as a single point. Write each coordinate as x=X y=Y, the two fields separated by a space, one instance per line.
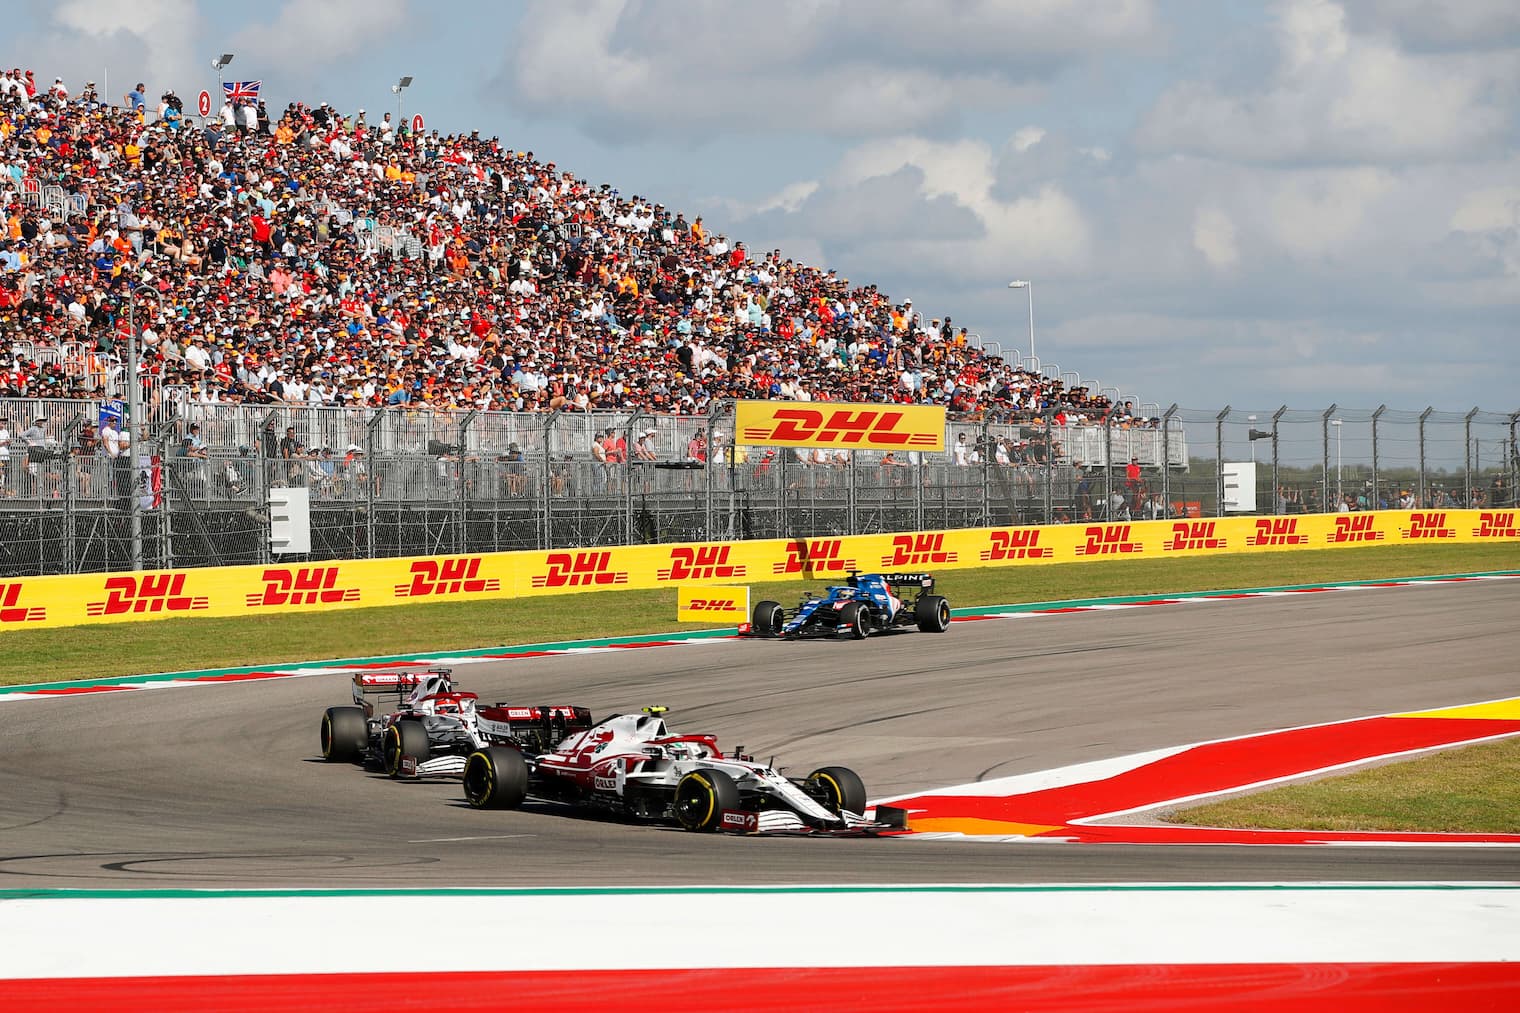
x=902 y=579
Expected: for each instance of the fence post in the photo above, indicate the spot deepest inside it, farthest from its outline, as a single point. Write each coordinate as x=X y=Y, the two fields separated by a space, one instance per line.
x=1277 y=504
x=371 y=475
x=1373 y=503
x=1514 y=459
x=1108 y=463
x=546 y=541
x=1324 y=427
x=630 y=440
x=851 y=506
x=1423 y=416
x=1166 y=461
x=1219 y=461
x=986 y=453
x=461 y=539
x=1467 y=459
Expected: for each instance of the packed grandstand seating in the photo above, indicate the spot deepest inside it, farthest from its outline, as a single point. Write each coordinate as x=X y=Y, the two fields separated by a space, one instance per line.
x=312 y=257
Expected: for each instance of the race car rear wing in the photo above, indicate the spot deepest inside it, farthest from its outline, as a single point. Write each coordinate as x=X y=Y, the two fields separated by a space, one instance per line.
x=377 y=683
x=904 y=579
x=539 y=728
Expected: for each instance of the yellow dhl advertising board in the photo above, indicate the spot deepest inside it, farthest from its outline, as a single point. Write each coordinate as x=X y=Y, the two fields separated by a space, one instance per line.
x=840 y=426
x=717 y=603
x=41 y=602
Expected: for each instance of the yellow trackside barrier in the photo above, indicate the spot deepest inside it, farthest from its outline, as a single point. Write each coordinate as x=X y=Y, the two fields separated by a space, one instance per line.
x=717 y=603
x=40 y=602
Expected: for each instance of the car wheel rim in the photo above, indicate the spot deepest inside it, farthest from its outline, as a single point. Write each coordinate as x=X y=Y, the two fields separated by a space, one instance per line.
x=327 y=736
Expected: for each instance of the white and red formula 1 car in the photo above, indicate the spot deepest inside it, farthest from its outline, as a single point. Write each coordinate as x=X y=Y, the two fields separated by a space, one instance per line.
x=435 y=726
x=632 y=765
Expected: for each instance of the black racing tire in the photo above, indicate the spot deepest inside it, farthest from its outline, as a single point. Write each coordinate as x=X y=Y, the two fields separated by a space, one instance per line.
x=856 y=620
x=765 y=619
x=838 y=789
x=406 y=737
x=345 y=733
x=701 y=797
x=495 y=777
x=932 y=613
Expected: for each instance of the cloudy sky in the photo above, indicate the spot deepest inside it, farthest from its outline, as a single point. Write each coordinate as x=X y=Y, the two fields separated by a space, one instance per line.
x=1260 y=203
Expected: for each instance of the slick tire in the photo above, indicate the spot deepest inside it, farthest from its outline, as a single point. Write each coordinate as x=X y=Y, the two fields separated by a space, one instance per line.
x=855 y=620
x=765 y=619
x=838 y=789
x=932 y=613
x=345 y=733
x=404 y=738
x=701 y=797
x=495 y=777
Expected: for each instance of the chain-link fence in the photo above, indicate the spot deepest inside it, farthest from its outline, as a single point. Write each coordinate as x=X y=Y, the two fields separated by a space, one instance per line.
x=401 y=482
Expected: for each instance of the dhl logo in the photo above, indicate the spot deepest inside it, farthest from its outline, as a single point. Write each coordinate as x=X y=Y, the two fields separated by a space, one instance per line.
x=580 y=569
x=1188 y=535
x=1427 y=526
x=920 y=427
x=1354 y=529
x=713 y=605
x=1277 y=531
x=162 y=592
x=12 y=612
x=705 y=563
x=916 y=550
x=820 y=555
x=447 y=576
x=1496 y=525
x=301 y=585
x=1018 y=543
x=1109 y=540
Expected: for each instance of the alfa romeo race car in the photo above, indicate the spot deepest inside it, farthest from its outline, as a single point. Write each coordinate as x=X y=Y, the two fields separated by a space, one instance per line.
x=631 y=765
x=435 y=726
x=868 y=603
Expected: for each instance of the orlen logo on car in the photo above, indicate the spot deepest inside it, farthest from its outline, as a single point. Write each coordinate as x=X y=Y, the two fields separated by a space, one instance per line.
x=743 y=822
x=1018 y=543
x=1109 y=540
x=1277 y=531
x=1193 y=535
x=301 y=585
x=1427 y=526
x=1354 y=529
x=916 y=550
x=1496 y=525
x=11 y=612
x=841 y=426
x=445 y=577
x=820 y=555
x=162 y=592
x=580 y=569
x=705 y=563
x=713 y=605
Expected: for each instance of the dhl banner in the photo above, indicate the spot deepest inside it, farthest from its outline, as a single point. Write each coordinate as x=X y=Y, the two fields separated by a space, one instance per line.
x=41 y=602
x=715 y=604
x=840 y=426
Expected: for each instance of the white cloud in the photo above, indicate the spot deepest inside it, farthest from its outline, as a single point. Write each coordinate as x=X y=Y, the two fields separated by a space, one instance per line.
x=697 y=69
x=150 y=41
x=1214 y=237
x=1423 y=24
x=305 y=39
x=1341 y=96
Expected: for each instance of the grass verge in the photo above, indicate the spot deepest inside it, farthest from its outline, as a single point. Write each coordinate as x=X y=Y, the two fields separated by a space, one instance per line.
x=1471 y=790
x=184 y=644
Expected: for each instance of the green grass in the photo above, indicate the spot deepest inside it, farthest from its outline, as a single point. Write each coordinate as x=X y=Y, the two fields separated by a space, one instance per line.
x=184 y=644
x=1471 y=790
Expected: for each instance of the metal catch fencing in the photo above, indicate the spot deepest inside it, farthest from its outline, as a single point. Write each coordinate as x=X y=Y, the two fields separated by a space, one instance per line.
x=402 y=481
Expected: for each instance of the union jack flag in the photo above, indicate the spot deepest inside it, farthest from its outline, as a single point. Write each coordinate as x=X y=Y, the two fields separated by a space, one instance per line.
x=242 y=93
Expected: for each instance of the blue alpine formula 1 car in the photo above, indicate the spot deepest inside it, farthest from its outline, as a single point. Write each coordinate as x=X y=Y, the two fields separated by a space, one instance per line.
x=868 y=603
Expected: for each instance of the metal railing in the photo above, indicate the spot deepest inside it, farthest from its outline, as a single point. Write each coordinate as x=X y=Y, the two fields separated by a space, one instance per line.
x=399 y=481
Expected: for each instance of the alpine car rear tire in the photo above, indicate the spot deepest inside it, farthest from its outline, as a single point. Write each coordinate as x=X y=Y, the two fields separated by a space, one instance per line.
x=404 y=738
x=838 y=789
x=701 y=797
x=855 y=619
x=345 y=733
x=765 y=620
x=932 y=613
x=495 y=777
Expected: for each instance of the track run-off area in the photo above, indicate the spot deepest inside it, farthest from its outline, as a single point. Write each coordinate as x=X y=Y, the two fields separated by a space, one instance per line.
x=210 y=853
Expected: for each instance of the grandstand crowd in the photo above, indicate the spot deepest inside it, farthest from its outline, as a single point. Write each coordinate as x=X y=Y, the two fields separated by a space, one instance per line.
x=315 y=257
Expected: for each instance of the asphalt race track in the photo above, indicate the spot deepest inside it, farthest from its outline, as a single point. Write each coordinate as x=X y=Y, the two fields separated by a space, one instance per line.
x=222 y=787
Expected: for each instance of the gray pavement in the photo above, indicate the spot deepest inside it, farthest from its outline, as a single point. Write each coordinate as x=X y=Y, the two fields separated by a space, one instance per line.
x=221 y=786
